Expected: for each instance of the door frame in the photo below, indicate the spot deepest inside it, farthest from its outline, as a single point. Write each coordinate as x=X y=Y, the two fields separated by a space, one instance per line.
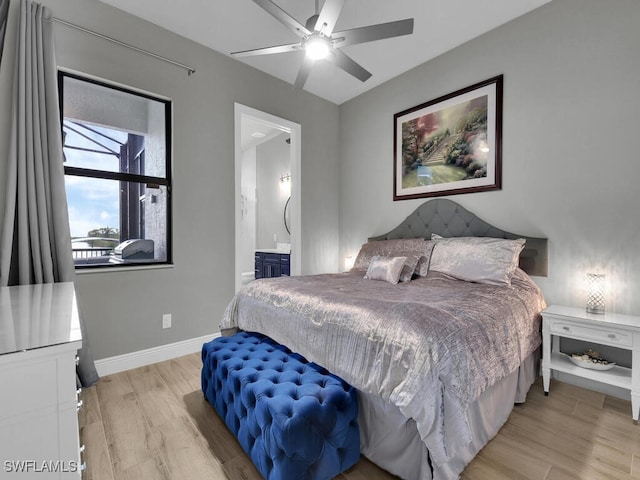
x=243 y=112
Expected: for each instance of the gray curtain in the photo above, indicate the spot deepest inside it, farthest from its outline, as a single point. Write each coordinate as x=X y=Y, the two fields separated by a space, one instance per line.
x=36 y=241
x=4 y=13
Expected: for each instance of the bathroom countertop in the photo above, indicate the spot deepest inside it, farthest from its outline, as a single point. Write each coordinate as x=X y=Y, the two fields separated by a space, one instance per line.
x=273 y=250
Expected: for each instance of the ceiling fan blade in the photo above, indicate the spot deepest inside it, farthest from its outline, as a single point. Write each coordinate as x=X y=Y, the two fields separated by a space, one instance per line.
x=373 y=32
x=328 y=16
x=304 y=72
x=349 y=65
x=283 y=17
x=289 y=47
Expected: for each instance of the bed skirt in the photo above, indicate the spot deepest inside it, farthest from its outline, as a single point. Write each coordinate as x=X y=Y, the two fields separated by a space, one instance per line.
x=392 y=441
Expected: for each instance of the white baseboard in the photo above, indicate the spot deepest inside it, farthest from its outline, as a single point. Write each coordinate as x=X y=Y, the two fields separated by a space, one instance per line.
x=120 y=363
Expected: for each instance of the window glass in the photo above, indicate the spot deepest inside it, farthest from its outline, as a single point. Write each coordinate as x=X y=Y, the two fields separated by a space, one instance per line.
x=116 y=147
x=90 y=146
x=104 y=116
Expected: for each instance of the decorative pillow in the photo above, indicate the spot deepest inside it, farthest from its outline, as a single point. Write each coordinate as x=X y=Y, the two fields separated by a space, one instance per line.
x=423 y=264
x=409 y=267
x=385 y=268
x=477 y=259
x=394 y=248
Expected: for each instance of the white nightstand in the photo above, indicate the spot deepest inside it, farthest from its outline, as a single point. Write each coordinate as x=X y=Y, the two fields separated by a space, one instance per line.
x=622 y=331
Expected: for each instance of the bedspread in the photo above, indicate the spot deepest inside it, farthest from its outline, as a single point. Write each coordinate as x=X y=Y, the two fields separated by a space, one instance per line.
x=430 y=346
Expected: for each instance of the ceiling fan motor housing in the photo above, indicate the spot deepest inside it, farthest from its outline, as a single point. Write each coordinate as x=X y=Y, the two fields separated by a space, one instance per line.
x=311 y=22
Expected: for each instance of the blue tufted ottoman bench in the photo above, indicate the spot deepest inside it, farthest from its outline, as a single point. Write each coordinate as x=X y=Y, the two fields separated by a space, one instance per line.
x=293 y=418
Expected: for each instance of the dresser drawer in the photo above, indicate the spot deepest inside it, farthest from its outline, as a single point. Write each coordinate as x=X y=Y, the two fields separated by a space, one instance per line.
x=28 y=384
x=600 y=335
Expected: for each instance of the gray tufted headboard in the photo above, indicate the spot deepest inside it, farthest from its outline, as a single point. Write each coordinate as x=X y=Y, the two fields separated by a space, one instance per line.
x=447 y=218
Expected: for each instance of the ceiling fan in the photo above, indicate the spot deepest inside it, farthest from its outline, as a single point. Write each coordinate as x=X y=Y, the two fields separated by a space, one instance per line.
x=319 y=41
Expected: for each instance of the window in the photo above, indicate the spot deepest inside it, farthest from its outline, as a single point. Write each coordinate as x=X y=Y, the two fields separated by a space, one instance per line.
x=117 y=154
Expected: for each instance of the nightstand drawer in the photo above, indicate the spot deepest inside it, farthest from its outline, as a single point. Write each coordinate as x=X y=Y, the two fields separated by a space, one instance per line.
x=581 y=332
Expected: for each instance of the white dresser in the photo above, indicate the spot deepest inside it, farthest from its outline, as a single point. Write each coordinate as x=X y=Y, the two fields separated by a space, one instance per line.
x=39 y=339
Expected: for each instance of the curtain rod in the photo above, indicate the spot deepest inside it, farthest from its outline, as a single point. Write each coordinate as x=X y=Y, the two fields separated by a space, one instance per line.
x=190 y=70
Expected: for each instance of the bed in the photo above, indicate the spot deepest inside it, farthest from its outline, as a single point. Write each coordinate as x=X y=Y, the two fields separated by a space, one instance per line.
x=440 y=358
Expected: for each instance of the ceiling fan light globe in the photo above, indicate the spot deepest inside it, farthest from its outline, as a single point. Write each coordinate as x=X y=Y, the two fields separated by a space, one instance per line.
x=317 y=48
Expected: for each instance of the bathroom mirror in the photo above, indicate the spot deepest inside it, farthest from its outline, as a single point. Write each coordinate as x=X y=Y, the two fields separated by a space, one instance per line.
x=287 y=216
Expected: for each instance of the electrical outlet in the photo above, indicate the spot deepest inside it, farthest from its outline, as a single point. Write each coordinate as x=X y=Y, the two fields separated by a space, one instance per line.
x=166 y=320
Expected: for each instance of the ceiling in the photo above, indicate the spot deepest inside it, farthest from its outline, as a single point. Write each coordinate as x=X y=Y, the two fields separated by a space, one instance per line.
x=234 y=25
x=254 y=132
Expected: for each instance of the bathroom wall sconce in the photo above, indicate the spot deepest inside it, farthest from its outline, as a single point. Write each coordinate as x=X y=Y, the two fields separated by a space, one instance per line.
x=595 y=292
x=285 y=184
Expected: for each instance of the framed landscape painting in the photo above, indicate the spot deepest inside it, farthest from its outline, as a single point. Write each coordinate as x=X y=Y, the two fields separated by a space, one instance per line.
x=450 y=145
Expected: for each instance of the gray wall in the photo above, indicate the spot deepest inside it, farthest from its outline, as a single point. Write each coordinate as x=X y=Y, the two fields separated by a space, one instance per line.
x=123 y=310
x=570 y=156
x=571 y=104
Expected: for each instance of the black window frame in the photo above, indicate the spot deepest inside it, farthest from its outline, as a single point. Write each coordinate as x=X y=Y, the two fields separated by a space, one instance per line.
x=140 y=179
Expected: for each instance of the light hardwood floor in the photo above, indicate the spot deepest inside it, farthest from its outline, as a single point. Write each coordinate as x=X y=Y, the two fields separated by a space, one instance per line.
x=153 y=423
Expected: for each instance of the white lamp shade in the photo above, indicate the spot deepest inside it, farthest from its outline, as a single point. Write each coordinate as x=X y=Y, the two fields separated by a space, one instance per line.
x=348 y=263
x=595 y=292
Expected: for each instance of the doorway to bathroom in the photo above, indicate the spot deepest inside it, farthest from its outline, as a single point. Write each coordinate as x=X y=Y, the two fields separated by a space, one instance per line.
x=267 y=189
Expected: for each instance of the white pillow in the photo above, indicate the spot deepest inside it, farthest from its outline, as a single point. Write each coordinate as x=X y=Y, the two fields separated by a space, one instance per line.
x=385 y=268
x=477 y=259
